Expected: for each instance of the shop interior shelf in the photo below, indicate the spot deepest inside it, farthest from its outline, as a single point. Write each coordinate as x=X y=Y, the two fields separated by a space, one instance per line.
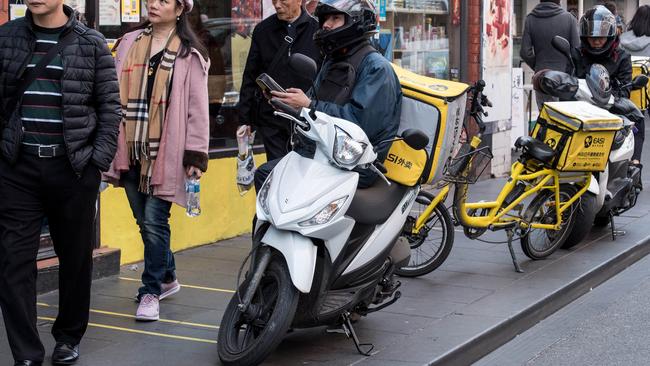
x=417 y=11
x=403 y=50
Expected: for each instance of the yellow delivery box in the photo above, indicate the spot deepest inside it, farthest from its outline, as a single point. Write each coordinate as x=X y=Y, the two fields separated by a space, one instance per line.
x=437 y=108
x=580 y=133
x=641 y=66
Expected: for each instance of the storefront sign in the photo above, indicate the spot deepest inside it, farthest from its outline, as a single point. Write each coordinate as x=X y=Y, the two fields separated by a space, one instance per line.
x=109 y=12
x=267 y=8
x=497 y=57
x=518 y=116
x=78 y=5
x=17 y=11
x=130 y=11
x=455 y=12
x=382 y=10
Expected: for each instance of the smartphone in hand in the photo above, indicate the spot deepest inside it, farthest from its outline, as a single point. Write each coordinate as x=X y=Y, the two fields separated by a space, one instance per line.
x=267 y=84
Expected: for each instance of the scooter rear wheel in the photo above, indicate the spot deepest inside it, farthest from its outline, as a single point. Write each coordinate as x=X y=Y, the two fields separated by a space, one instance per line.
x=540 y=243
x=247 y=339
x=584 y=219
x=432 y=245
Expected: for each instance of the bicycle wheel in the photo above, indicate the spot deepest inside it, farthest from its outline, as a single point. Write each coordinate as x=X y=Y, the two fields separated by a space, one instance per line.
x=540 y=243
x=431 y=246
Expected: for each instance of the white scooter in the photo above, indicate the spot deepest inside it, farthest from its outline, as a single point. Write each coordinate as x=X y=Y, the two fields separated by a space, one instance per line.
x=324 y=251
x=615 y=190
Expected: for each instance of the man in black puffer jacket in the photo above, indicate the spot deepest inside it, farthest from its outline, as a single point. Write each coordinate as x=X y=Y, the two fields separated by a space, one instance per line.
x=59 y=130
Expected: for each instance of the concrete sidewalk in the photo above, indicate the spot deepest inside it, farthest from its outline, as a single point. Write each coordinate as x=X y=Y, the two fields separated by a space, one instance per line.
x=471 y=305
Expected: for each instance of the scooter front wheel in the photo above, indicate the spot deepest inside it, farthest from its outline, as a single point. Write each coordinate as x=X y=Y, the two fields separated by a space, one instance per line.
x=247 y=338
x=432 y=245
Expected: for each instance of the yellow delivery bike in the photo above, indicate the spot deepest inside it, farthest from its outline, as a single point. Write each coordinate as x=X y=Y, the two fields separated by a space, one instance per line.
x=548 y=179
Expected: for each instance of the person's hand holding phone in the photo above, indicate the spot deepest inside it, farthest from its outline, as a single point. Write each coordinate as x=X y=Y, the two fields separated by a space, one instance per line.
x=293 y=97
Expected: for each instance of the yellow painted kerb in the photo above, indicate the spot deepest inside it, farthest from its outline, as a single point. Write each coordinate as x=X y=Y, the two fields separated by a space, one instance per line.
x=224 y=214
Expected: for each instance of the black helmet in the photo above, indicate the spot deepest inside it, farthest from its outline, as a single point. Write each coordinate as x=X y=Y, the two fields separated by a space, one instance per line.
x=556 y=83
x=598 y=22
x=598 y=82
x=360 y=23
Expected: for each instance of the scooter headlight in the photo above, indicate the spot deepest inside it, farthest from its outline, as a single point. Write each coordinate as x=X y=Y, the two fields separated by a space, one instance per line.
x=263 y=196
x=326 y=214
x=347 y=151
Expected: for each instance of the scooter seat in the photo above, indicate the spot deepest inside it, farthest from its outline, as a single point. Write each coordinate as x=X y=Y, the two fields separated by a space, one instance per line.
x=535 y=148
x=375 y=204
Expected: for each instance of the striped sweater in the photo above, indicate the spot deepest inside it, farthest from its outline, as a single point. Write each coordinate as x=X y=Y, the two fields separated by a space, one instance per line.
x=41 y=110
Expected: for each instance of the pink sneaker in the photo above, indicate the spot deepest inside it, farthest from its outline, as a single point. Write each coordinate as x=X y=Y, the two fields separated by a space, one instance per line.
x=168 y=289
x=149 y=308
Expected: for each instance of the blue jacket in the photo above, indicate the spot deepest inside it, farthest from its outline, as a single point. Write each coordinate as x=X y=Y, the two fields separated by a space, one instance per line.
x=375 y=103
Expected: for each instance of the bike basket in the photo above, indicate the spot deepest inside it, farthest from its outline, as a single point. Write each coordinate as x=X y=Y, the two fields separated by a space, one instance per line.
x=467 y=166
x=641 y=97
x=581 y=133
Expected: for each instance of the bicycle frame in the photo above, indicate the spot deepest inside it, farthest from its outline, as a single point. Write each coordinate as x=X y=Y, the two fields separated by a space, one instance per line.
x=536 y=182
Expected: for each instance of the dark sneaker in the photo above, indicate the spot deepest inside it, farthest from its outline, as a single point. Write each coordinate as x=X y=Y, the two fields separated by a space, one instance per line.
x=65 y=354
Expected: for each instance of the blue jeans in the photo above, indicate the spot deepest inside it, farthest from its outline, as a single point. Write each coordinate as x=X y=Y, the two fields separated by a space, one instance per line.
x=152 y=216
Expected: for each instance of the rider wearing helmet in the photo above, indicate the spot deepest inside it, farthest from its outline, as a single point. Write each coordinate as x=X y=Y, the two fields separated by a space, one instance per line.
x=355 y=83
x=599 y=45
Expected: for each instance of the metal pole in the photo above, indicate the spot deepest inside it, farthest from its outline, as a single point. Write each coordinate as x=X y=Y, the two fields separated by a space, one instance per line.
x=464 y=40
x=581 y=8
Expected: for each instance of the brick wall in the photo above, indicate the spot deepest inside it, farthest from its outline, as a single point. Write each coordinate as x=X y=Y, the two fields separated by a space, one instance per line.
x=474 y=52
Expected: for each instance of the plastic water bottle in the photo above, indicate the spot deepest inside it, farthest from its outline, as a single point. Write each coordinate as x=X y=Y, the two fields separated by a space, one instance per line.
x=192 y=188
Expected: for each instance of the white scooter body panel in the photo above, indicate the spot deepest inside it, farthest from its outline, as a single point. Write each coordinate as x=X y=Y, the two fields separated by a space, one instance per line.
x=593 y=186
x=385 y=233
x=314 y=185
x=298 y=251
x=624 y=152
x=300 y=188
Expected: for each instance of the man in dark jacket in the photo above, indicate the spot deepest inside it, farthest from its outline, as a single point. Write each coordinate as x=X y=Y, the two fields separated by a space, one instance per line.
x=356 y=83
x=546 y=21
x=288 y=31
x=57 y=136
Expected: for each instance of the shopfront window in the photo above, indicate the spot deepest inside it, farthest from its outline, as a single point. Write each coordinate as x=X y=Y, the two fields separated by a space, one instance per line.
x=416 y=34
x=225 y=27
x=420 y=35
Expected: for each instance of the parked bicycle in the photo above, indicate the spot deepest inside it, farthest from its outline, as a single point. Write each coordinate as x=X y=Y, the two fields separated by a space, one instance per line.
x=554 y=169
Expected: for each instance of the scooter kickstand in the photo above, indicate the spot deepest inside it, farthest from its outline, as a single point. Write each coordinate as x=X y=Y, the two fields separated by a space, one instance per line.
x=510 y=232
x=349 y=331
x=615 y=232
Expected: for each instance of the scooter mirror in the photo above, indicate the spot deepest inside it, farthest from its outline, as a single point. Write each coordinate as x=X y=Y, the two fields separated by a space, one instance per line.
x=303 y=66
x=639 y=82
x=416 y=139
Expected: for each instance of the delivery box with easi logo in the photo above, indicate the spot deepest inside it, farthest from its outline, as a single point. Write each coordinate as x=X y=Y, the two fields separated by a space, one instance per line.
x=580 y=133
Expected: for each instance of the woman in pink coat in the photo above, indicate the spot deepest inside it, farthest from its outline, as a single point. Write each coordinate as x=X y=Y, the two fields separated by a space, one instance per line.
x=163 y=73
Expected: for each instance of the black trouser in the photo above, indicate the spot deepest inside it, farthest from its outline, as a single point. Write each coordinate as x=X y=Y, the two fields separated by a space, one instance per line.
x=31 y=189
x=639 y=137
x=276 y=141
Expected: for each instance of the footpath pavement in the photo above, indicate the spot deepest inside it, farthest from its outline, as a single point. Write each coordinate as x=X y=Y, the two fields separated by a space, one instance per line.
x=470 y=306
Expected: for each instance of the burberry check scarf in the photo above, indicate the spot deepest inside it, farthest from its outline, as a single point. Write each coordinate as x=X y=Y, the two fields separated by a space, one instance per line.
x=143 y=119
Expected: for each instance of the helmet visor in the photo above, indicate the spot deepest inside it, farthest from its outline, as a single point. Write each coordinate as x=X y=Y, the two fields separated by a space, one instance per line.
x=598 y=28
x=348 y=6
